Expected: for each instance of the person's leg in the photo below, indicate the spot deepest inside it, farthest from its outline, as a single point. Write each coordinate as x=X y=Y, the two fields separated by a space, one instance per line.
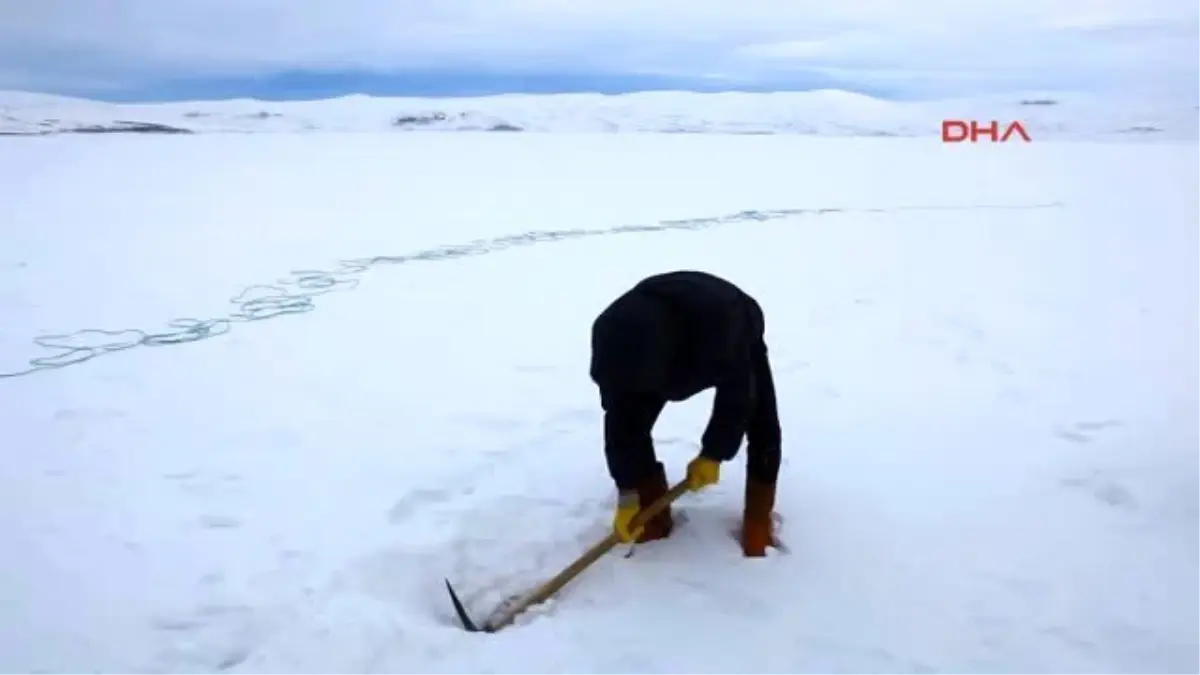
x=654 y=483
x=628 y=445
x=660 y=526
x=632 y=461
x=763 y=456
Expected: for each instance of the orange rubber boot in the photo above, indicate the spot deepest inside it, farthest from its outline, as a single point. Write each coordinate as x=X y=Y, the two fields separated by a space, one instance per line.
x=757 y=526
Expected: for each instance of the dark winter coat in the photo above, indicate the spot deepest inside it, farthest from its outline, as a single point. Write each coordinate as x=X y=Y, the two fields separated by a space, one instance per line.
x=668 y=338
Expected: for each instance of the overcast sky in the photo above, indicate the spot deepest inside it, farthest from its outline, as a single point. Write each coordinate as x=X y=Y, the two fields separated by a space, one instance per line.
x=915 y=46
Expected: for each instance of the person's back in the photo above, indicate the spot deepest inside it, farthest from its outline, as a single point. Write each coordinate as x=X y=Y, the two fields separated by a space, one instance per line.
x=674 y=335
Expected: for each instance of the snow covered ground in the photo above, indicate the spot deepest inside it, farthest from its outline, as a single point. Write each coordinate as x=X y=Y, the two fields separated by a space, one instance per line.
x=986 y=359
x=1046 y=116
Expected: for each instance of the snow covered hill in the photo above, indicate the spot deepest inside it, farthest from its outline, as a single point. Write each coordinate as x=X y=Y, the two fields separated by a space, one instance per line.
x=833 y=113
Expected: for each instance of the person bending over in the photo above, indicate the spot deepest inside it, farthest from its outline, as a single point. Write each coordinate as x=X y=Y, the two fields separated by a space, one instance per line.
x=666 y=339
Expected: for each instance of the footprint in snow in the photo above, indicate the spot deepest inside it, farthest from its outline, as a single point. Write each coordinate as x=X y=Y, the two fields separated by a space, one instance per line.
x=211 y=637
x=415 y=500
x=211 y=522
x=1085 y=432
x=1104 y=489
x=1115 y=495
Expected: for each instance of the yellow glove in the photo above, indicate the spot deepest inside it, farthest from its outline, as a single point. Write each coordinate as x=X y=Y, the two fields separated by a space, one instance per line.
x=627 y=508
x=702 y=472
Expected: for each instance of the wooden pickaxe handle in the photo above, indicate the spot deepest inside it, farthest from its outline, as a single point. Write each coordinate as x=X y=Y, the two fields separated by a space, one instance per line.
x=546 y=590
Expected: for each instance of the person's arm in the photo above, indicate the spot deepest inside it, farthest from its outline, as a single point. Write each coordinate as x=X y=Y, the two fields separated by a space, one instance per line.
x=733 y=404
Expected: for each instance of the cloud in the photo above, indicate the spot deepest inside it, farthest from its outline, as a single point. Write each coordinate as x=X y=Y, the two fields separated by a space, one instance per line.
x=1010 y=43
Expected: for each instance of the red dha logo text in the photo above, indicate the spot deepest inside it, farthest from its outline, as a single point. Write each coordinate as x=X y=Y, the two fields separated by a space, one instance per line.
x=957 y=131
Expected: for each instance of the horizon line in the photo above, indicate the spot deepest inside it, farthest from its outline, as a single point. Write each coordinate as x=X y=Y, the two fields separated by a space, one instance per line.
x=310 y=85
